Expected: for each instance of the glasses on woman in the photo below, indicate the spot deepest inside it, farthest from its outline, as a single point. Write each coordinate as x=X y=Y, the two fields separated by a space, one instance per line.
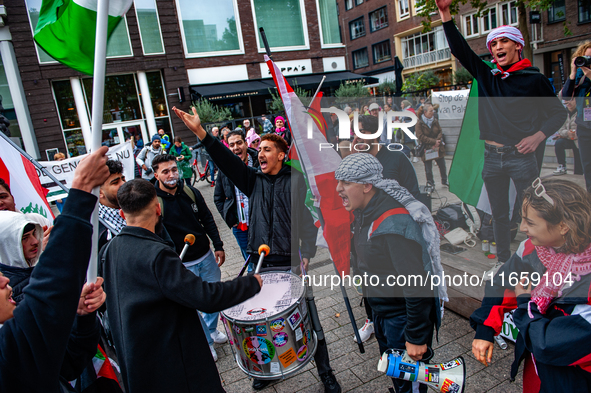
x=540 y=191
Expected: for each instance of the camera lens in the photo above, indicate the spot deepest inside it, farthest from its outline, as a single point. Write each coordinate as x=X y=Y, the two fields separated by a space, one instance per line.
x=583 y=61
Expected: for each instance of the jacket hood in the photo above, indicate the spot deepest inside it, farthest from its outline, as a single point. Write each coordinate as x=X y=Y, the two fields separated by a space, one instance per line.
x=12 y=225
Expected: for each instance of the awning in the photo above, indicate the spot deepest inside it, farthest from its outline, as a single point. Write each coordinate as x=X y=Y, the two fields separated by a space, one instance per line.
x=224 y=91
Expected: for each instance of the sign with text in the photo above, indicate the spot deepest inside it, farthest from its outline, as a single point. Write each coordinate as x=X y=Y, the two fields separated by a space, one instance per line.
x=64 y=170
x=452 y=104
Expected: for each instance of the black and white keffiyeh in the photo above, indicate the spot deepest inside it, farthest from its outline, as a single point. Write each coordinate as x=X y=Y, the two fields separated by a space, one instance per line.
x=112 y=217
x=366 y=169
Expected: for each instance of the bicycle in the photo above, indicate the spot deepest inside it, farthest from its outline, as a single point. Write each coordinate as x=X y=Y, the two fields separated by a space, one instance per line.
x=197 y=176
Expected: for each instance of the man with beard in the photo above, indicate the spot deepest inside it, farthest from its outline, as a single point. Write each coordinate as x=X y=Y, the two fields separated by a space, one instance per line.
x=278 y=215
x=184 y=211
x=109 y=206
x=229 y=200
x=152 y=298
x=147 y=155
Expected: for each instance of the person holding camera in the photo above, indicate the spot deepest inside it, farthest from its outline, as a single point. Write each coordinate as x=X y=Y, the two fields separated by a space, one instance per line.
x=578 y=86
x=148 y=153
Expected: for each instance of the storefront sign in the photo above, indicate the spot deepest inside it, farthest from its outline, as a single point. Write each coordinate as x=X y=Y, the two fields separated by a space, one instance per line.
x=289 y=68
x=64 y=170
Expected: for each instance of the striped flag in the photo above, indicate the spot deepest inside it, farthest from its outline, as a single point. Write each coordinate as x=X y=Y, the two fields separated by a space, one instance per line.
x=21 y=176
x=67 y=30
x=465 y=174
x=318 y=167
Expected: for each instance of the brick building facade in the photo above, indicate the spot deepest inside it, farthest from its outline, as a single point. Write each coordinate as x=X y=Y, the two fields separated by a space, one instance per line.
x=164 y=50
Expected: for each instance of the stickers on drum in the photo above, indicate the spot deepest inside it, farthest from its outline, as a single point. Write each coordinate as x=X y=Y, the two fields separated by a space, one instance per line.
x=294 y=318
x=248 y=329
x=258 y=349
x=277 y=325
x=275 y=369
x=256 y=311
x=237 y=329
x=302 y=353
x=288 y=357
x=261 y=330
x=280 y=339
x=298 y=333
x=304 y=307
x=279 y=292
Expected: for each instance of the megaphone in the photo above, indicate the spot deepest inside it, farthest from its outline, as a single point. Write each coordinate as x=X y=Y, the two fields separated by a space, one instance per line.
x=447 y=377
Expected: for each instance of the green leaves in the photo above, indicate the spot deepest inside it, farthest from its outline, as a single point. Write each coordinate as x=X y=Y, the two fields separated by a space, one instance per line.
x=210 y=113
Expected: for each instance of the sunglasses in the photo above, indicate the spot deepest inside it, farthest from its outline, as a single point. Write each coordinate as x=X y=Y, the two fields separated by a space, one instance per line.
x=540 y=191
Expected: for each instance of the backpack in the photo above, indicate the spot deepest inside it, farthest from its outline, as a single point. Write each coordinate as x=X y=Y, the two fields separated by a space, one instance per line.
x=187 y=191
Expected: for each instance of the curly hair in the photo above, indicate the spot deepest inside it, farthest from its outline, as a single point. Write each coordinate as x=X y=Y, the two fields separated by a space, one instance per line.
x=581 y=49
x=572 y=206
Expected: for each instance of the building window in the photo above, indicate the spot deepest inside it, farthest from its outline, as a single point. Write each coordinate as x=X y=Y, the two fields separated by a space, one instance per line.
x=283 y=22
x=378 y=19
x=149 y=25
x=425 y=48
x=509 y=13
x=329 y=22
x=419 y=7
x=403 y=8
x=489 y=20
x=584 y=11
x=348 y=4
x=209 y=28
x=471 y=25
x=118 y=45
x=66 y=109
x=122 y=101
x=557 y=12
x=358 y=2
x=360 y=58
x=381 y=52
x=357 y=28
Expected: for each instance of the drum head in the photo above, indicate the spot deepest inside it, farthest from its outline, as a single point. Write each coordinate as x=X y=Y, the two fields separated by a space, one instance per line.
x=280 y=291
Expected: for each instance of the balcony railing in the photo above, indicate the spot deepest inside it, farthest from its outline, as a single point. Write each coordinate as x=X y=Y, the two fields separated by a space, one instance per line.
x=427 y=58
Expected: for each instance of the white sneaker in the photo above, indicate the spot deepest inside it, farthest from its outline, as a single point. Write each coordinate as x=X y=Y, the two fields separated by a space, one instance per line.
x=213 y=353
x=561 y=170
x=366 y=331
x=219 y=337
x=415 y=159
x=492 y=272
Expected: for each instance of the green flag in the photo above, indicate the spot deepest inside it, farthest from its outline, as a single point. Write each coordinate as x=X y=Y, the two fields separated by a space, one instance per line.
x=465 y=174
x=67 y=30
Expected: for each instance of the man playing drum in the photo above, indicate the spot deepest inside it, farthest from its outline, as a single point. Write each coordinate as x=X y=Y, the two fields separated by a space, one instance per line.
x=274 y=210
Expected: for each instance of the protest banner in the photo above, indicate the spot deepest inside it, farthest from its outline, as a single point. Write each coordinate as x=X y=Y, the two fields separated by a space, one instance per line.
x=64 y=170
x=452 y=104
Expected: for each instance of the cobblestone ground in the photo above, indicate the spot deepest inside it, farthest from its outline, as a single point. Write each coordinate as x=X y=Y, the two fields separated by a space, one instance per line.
x=357 y=372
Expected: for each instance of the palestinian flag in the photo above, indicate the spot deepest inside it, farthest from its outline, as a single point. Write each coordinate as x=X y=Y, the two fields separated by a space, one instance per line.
x=465 y=174
x=318 y=167
x=67 y=30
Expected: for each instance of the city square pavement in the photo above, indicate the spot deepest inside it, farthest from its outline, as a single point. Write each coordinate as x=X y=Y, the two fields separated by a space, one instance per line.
x=357 y=372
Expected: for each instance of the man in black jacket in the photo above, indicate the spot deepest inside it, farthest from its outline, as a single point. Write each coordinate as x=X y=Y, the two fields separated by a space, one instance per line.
x=229 y=200
x=278 y=216
x=184 y=211
x=152 y=298
x=34 y=335
x=517 y=112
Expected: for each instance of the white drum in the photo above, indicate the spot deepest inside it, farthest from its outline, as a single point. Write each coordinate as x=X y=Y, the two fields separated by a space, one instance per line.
x=271 y=333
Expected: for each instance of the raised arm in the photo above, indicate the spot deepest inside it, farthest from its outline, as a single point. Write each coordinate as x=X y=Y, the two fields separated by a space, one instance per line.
x=233 y=167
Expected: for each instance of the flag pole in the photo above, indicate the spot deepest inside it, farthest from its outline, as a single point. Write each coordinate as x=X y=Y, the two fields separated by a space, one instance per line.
x=98 y=96
x=48 y=174
x=345 y=297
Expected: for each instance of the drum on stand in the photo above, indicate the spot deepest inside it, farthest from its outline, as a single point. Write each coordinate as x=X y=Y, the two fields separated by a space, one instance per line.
x=271 y=334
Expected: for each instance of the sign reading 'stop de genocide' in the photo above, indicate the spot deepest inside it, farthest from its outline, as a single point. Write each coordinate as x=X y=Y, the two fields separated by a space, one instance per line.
x=64 y=170
x=452 y=104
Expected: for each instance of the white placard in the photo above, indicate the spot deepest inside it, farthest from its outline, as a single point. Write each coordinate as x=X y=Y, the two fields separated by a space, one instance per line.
x=452 y=104
x=64 y=170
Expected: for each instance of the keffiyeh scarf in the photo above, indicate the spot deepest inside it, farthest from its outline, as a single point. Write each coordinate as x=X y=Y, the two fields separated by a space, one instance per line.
x=366 y=169
x=112 y=217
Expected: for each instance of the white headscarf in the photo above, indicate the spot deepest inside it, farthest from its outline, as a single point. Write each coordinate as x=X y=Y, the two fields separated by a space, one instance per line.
x=366 y=169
